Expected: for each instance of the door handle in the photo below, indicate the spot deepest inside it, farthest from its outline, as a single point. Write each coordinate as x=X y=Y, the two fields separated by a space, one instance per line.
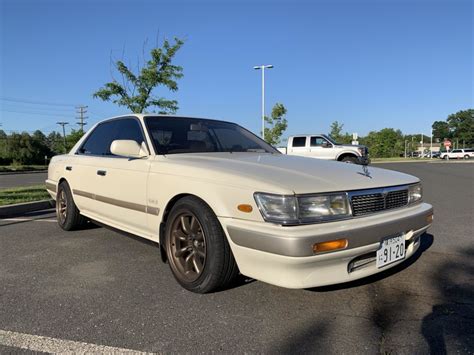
x=101 y=172
x=69 y=168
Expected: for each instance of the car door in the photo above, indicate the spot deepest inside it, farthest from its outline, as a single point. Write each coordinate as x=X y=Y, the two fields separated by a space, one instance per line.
x=299 y=145
x=321 y=148
x=117 y=184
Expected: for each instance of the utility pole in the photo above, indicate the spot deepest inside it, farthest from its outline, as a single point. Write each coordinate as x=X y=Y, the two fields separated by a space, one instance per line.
x=81 y=110
x=64 y=133
x=406 y=148
x=262 y=68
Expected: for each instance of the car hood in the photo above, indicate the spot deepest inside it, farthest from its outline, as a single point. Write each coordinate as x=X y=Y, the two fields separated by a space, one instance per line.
x=279 y=173
x=351 y=145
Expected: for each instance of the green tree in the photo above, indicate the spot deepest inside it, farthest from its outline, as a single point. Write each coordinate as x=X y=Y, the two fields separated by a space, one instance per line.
x=4 y=158
x=336 y=131
x=385 y=143
x=461 y=125
x=73 y=137
x=40 y=148
x=441 y=130
x=20 y=149
x=135 y=91
x=55 y=143
x=337 y=135
x=276 y=124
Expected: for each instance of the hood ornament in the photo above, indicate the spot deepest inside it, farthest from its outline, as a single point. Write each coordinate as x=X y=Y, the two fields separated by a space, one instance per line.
x=365 y=172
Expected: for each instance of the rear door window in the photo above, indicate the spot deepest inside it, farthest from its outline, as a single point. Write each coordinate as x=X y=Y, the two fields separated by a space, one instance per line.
x=299 y=141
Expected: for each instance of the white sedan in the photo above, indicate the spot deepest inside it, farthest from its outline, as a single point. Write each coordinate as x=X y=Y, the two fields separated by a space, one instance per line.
x=218 y=200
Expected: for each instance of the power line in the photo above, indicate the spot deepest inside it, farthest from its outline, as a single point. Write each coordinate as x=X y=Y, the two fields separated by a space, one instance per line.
x=34 y=113
x=35 y=108
x=34 y=102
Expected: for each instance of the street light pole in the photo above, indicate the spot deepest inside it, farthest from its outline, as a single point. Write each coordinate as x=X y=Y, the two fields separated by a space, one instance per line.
x=262 y=68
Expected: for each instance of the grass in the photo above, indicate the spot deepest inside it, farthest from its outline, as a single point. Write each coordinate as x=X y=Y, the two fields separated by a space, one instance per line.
x=23 y=194
x=8 y=168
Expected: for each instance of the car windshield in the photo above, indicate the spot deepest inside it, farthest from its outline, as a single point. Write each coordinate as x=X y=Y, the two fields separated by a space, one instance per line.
x=175 y=135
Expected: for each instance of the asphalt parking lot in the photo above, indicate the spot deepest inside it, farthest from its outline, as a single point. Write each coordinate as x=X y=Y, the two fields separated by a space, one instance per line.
x=22 y=179
x=97 y=286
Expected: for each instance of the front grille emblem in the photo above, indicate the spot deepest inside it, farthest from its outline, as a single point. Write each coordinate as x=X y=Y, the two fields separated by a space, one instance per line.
x=365 y=172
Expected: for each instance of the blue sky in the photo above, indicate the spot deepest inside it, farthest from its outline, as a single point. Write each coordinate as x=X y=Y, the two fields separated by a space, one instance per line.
x=368 y=64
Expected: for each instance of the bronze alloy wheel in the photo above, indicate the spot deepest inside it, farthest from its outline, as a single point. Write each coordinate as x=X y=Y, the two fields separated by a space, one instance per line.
x=61 y=206
x=187 y=246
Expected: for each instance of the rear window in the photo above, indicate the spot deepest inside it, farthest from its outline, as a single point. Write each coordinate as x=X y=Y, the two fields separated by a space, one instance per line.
x=469 y=150
x=299 y=141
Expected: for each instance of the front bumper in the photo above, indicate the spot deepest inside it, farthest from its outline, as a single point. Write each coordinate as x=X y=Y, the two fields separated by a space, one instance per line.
x=364 y=160
x=284 y=256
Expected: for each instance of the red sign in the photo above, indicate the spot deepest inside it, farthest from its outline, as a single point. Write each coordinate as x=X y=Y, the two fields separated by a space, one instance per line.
x=447 y=144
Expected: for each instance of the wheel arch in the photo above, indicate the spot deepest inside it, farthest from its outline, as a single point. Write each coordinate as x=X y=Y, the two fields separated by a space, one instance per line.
x=346 y=154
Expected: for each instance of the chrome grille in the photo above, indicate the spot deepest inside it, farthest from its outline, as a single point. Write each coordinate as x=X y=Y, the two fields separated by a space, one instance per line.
x=379 y=200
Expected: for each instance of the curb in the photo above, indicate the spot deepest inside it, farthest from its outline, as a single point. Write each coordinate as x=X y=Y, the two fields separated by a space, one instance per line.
x=22 y=208
x=22 y=172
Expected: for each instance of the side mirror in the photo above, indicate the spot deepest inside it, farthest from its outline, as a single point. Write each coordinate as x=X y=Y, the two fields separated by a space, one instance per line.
x=128 y=148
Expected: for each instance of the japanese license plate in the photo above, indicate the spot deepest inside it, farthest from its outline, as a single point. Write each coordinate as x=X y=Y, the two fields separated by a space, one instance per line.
x=391 y=250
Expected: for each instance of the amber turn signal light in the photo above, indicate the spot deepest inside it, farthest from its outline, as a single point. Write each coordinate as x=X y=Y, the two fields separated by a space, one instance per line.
x=245 y=208
x=429 y=218
x=330 y=245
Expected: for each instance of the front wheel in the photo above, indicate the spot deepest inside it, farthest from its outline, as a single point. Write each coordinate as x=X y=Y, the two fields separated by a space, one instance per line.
x=198 y=252
x=350 y=160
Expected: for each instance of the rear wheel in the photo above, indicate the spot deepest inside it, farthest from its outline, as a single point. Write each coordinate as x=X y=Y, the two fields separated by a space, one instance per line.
x=466 y=157
x=198 y=252
x=67 y=213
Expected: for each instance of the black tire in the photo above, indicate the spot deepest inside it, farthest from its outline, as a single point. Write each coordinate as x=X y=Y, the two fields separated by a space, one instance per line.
x=350 y=159
x=67 y=213
x=466 y=157
x=446 y=157
x=192 y=225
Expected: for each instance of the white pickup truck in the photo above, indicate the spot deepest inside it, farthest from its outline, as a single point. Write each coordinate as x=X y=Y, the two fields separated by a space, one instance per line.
x=323 y=147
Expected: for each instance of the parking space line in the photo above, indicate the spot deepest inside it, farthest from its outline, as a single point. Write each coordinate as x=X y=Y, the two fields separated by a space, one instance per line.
x=27 y=220
x=55 y=346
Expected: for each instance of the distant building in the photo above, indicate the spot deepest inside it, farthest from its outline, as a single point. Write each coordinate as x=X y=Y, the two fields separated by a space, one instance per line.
x=427 y=146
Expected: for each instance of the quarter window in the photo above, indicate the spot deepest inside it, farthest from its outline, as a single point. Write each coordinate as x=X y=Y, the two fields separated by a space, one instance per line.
x=299 y=141
x=99 y=141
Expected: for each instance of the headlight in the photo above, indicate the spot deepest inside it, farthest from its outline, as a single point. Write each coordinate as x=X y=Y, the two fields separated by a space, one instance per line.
x=323 y=207
x=415 y=193
x=303 y=209
x=277 y=208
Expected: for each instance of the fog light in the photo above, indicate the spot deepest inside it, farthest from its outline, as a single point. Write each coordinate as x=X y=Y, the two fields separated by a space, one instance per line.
x=330 y=245
x=245 y=208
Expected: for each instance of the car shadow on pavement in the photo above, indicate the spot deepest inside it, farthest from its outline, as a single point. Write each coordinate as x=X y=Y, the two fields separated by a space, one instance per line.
x=426 y=241
x=452 y=320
